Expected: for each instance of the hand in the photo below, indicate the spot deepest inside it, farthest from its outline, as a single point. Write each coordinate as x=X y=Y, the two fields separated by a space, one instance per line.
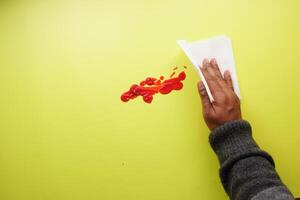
x=226 y=104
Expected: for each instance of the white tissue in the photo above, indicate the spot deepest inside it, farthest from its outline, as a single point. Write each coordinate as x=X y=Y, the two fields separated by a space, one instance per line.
x=218 y=47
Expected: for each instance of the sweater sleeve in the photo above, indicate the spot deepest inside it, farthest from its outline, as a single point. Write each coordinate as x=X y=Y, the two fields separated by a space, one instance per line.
x=246 y=172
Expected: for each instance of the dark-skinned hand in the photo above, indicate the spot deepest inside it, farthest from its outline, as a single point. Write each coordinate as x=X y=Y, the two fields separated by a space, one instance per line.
x=226 y=104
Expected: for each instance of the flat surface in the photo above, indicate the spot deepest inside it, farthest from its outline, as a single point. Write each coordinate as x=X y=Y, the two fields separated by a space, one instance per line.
x=64 y=133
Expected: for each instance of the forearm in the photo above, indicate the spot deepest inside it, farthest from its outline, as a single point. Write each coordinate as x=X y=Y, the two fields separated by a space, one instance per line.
x=246 y=171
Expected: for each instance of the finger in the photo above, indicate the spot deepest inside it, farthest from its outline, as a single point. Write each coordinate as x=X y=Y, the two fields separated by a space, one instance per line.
x=206 y=105
x=210 y=78
x=212 y=71
x=228 y=79
x=218 y=73
x=215 y=66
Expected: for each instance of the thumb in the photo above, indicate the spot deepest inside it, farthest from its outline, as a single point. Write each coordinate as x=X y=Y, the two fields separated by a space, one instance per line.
x=206 y=105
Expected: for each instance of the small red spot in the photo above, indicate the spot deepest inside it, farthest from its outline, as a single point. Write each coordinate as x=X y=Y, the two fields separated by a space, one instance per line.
x=173 y=73
x=150 y=80
x=142 y=83
x=158 y=82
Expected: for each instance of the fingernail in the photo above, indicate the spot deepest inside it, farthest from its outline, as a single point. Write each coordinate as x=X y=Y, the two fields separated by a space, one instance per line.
x=202 y=88
x=201 y=84
x=227 y=73
x=205 y=63
x=213 y=61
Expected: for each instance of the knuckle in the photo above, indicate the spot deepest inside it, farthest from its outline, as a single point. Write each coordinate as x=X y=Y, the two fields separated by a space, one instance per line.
x=202 y=91
x=232 y=98
x=207 y=115
x=211 y=78
x=230 y=108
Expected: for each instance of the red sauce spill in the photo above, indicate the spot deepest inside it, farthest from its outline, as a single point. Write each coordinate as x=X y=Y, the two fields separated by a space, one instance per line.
x=151 y=86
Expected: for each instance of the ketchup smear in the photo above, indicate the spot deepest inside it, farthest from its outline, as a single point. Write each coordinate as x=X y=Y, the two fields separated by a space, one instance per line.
x=151 y=86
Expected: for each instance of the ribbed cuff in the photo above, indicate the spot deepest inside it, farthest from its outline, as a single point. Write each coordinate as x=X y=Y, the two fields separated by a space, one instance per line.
x=233 y=142
x=232 y=138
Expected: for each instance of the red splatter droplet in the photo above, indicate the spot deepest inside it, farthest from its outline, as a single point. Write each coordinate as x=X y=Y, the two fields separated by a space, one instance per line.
x=142 y=83
x=151 y=86
x=173 y=73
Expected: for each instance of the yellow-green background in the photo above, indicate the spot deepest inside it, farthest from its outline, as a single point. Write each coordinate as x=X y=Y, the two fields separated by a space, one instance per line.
x=65 y=134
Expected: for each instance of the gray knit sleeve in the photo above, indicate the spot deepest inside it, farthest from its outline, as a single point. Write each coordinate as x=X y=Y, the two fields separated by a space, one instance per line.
x=247 y=172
